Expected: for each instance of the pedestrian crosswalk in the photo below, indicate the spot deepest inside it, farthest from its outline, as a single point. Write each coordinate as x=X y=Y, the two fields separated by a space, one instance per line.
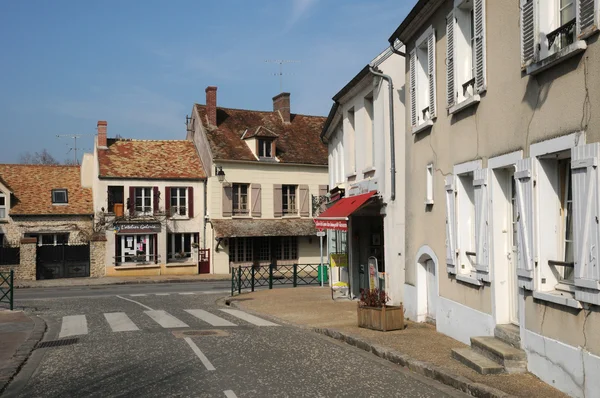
x=77 y=325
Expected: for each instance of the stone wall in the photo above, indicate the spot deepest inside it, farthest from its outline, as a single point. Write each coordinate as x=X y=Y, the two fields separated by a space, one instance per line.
x=97 y=256
x=78 y=227
x=26 y=269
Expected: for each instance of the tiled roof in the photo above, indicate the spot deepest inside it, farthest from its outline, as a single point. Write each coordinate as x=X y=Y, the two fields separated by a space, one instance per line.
x=260 y=132
x=298 y=142
x=165 y=160
x=32 y=187
x=253 y=227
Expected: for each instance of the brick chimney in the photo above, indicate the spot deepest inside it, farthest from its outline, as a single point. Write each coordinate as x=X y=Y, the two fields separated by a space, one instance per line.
x=211 y=105
x=102 y=134
x=281 y=104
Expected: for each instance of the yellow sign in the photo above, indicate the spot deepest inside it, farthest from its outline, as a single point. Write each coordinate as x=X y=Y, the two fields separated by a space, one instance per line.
x=339 y=260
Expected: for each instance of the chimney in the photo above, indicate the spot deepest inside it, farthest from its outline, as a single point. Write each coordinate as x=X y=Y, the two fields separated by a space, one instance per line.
x=281 y=104
x=102 y=134
x=211 y=105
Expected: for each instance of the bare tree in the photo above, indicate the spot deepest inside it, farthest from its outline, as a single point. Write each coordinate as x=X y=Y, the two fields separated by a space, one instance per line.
x=42 y=157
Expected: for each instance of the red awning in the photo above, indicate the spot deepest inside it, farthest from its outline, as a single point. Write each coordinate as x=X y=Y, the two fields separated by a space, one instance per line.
x=336 y=217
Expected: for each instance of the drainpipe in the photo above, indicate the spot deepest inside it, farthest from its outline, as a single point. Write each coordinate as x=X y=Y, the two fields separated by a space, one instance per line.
x=400 y=53
x=392 y=141
x=204 y=216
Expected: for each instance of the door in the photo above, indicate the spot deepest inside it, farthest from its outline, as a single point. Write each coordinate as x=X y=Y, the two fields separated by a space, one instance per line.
x=63 y=261
x=204 y=261
x=512 y=254
x=431 y=288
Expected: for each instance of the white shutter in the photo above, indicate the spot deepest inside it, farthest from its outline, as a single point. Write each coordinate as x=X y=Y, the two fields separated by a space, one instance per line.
x=450 y=225
x=524 y=177
x=479 y=17
x=587 y=17
x=431 y=73
x=528 y=31
x=586 y=209
x=451 y=90
x=413 y=88
x=482 y=253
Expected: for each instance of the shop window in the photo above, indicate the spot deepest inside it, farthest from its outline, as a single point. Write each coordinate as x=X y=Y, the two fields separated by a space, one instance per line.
x=264 y=249
x=180 y=246
x=139 y=249
x=240 y=250
x=287 y=248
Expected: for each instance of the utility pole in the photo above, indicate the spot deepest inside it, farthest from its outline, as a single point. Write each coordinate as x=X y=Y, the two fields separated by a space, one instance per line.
x=280 y=73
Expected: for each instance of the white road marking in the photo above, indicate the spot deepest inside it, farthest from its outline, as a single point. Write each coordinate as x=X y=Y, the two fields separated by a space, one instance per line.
x=186 y=293
x=210 y=318
x=199 y=354
x=120 y=322
x=215 y=292
x=249 y=318
x=162 y=294
x=73 y=325
x=229 y=394
x=133 y=301
x=138 y=295
x=165 y=319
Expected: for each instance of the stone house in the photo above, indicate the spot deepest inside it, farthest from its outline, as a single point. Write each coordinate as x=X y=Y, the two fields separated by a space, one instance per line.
x=263 y=170
x=502 y=106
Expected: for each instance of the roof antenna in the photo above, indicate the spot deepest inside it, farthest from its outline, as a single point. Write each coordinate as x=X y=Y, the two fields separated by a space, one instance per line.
x=281 y=74
x=74 y=147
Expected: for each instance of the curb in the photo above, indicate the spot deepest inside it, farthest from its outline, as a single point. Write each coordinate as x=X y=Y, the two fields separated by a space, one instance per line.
x=22 y=354
x=131 y=282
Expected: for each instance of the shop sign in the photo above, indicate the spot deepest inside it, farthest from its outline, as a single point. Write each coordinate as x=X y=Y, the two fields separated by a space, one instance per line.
x=338 y=260
x=338 y=225
x=373 y=273
x=138 y=228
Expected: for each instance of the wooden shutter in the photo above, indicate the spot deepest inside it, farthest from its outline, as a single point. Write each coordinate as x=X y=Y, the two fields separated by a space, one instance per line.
x=450 y=225
x=413 y=88
x=227 y=200
x=190 y=200
x=586 y=228
x=168 y=201
x=587 y=18
x=304 y=201
x=155 y=199
x=431 y=73
x=482 y=256
x=480 y=67
x=132 y=201
x=451 y=89
x=528 y=32
x=256 y=200
x=524 y=183
x=277 y=200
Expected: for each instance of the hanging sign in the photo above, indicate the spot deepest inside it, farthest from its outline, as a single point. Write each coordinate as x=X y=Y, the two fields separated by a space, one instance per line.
x=138 y=228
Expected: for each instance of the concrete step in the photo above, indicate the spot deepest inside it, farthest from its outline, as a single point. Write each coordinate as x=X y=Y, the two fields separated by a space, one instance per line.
x=509 y=333
x=511 y=358
x=475 y=361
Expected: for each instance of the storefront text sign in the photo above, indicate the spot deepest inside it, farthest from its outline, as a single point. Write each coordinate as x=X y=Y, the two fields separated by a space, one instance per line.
x=338 y=225
x=339 y=260
x=138 y=228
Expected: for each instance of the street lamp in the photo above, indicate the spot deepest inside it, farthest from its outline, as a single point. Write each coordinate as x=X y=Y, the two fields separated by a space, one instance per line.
x=220 y=173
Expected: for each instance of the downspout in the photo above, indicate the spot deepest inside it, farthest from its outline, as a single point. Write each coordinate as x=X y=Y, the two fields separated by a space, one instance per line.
x=204 y=215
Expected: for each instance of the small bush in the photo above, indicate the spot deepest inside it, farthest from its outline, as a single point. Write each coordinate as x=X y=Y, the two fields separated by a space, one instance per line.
x=373 y=298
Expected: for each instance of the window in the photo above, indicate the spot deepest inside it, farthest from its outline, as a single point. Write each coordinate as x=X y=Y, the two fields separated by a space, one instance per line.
x=370 y=130
x=49 y=239
x=465 y=211
x=179 y=246
x=3 y=203
x=143 y=200
x=59 y=196
x=422 y=81
x=135 y=249
x=115 y=196
x=289 y=199
x=286 y=248
x=264 y=148
x=240 y=250
x=429 y=186
x=179 y=205
x=264 y=249
x=350 y=138
x=240 y=198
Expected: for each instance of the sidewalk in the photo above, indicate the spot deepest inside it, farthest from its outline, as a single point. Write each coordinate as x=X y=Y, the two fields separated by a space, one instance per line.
x=418 y=347
x=18 y=336
x=114 y=280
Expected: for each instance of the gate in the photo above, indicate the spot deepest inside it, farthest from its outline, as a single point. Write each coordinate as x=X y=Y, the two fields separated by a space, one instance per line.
x=63 y=261
x=204 y=261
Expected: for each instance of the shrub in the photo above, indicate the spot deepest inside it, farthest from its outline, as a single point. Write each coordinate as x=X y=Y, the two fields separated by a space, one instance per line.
x=373 y=298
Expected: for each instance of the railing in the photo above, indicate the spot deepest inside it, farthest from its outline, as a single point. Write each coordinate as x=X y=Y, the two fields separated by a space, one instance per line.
x=7 y=288
x=251 y=277
x=141 y=259
x=565 y=33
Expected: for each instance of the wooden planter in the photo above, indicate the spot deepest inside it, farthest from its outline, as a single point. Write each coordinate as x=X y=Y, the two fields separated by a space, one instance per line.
x=383 y=319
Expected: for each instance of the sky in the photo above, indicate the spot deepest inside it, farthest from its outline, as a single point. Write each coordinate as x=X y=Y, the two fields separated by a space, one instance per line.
x=141 y=65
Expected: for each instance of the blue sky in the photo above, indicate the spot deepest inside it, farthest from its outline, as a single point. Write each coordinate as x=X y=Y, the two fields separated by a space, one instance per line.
x=141 y=65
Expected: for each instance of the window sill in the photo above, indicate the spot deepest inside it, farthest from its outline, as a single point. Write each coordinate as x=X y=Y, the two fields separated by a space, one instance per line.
x=368 y=169
x=557 y=297
x=468 y=279
x=176 y=264
x=241 y=216
x=422 y=127
x=350 y=175
x=130 y=266
x=466 y=103
x=179 y=218
x=556 y=58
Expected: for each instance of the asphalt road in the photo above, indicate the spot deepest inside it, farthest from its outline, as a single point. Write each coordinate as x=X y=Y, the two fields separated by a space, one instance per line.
x=239 y=357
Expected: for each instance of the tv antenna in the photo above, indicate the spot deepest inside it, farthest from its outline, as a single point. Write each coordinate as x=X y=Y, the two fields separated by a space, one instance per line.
x=74 y=147
x=281 y=74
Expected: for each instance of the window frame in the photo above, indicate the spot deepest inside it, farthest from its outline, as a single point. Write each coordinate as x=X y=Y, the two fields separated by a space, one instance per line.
x=175 y=193
x=423 y=81
x=429 y=184
x=110 y=201
x=4 y=207
x=265 y=145
x=286 y=200
x=241 y=248
x=289 y=244
x=172 y=238
x=143 y=197
x=236 y=198
x=148 y=255
x=57 y=191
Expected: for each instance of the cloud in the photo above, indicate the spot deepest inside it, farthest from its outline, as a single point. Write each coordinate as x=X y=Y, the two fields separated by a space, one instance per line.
x=299 y=9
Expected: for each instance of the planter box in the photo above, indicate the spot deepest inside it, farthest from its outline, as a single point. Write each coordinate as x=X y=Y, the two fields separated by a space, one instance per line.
x=383 y=319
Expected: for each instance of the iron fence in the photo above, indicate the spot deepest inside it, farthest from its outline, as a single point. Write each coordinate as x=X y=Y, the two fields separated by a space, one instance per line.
x=251 y=277
x=7 y=288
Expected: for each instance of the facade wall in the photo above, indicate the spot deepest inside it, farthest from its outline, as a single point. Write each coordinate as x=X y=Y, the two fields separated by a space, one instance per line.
x=78 y=227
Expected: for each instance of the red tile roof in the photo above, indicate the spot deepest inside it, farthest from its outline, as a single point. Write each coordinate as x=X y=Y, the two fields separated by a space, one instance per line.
x=298 y=142
x=32 y=187
x=150 y=159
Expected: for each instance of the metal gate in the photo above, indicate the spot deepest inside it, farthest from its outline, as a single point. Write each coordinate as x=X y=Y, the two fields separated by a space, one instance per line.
x=63 y=261
x=204 y=261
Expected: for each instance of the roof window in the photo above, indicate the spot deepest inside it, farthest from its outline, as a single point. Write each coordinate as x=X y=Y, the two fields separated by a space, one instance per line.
x=59 y=197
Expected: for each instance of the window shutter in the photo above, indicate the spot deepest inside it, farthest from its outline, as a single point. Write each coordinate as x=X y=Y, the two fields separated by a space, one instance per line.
x=413 y=88
x=524 y=177
x=450 y=225
x=304 y=201
x=587 y=21
x=227 y=201
x=482 y=256
x=190 y=202
x=479 y=16
x=450 y=60
x=586 y=209
x=431 y=72
x=256 y=200
x=277 y=200
x=168 y=201
x=527 y=32
x=132 y=201
x=155 y=197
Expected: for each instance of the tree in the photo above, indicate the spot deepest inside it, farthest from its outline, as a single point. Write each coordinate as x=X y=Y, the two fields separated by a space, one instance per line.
x=42 y=157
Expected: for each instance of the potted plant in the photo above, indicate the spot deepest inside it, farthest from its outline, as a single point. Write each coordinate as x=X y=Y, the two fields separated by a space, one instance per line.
x=374 y=313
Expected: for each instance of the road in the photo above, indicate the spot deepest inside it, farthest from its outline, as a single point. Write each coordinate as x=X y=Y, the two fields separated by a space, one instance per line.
x=161 y=341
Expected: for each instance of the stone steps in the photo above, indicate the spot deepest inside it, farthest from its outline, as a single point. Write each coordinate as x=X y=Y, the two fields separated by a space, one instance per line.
x=477 y=362
x=509 y=333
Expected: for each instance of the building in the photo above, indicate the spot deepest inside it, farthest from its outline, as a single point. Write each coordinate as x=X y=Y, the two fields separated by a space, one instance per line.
x=148 y=203
x=502 y=147
x=263 y=169
x=45 y=222
x=364 y=133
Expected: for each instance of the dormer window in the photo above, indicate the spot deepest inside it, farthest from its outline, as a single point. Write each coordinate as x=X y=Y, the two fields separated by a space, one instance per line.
x=59 y=197
x=265 y=148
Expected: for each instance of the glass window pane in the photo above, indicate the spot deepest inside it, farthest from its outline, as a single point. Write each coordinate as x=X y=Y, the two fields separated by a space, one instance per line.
x=2 y=200
x=2 y=213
